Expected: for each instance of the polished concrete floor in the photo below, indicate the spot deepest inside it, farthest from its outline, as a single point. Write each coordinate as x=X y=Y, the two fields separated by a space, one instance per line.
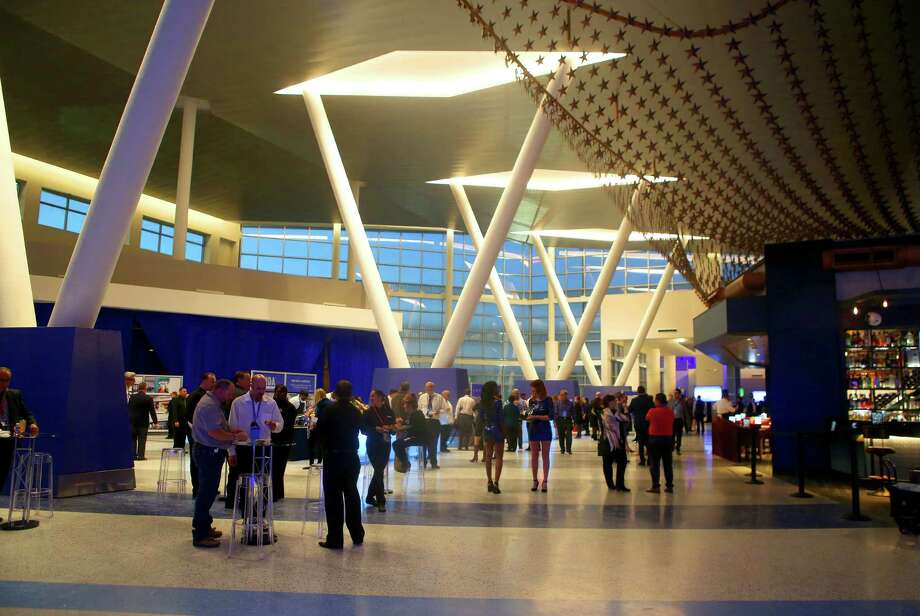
x=716 y=546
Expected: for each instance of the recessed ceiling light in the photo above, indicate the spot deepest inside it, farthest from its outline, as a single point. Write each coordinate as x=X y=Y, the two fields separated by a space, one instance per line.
x=438 y=73
x=553 y=180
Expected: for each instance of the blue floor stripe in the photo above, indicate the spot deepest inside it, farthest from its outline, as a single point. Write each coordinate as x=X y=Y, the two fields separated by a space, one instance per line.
x=514 y=515
x=133 y=599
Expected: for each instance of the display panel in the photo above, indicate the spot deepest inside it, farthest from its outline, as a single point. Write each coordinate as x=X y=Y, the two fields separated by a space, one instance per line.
x=708 y=393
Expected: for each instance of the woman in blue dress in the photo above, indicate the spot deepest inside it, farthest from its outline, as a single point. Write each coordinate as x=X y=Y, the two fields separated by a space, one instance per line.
x=493 y=432
x=539 y=415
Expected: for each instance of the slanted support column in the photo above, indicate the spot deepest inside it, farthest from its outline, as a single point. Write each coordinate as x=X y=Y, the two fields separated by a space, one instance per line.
x=357 y=237
x=549 y=267
x=449 y=275
x=184 y=182
x=647 y=319
x=599 y=291
x=498 y=290
x=498 y=229
x=140 y=131
x=16 y=308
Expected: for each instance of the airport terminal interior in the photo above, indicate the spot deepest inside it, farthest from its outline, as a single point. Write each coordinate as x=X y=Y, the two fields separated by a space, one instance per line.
x=603 y=307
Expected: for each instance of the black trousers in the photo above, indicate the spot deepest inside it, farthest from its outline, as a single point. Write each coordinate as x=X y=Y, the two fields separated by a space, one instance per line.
x=564 y=431
x=6 y=461
x=642 y=441
x=659 y=452
x=402 y=444
x=434 y=431
x=678 y=433
x=465 y=428
x=314 y=449
x=513 y=437
x=343 y=503
x=139 y=440
x=700 y=424
x=446 y=431
x=618 y=456
x=180 y=436
x=379 y=455
x=280 y=455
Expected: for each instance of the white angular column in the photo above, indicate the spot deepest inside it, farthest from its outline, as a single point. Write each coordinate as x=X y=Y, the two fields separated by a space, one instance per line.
x=498 y=290
x=184 y=181
x=358 y=244
x=498 y=229
x=140 y=131
x=16 y=307
x=599 y=291
x=647 y=319
x=549 y=268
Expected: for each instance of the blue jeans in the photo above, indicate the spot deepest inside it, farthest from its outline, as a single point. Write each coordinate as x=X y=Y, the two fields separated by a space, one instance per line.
x=210 y=461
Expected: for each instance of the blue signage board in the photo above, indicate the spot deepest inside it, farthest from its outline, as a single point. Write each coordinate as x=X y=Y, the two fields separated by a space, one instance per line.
x=300 y=382
x=294 y=381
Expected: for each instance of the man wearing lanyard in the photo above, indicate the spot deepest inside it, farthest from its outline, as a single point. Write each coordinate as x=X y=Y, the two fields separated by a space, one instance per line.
x=212 y=436
x=432 y=404
x=256 y=415
x=13 y=413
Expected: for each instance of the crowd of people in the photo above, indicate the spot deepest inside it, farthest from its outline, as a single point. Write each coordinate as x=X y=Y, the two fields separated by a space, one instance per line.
x=400 y=420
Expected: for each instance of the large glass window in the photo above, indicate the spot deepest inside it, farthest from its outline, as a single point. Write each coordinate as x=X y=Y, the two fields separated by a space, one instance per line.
x=158 y=236
x=298 y=251
x=61 y=211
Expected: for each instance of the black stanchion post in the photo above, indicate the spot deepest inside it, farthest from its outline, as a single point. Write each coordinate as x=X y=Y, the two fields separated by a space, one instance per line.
x=754 y=480
x=800 y=444
x=855 y=514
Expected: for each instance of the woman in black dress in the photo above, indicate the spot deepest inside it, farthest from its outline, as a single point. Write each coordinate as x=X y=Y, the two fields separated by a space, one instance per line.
x=493 y=432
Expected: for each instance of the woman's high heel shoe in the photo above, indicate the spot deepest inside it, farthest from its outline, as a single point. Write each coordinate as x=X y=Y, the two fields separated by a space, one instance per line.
x=496 y=490
x=536 y=485
x=543 y=489
x=491 y=487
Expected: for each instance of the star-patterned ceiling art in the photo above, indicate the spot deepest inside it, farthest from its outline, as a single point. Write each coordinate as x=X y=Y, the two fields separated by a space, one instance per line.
x=794 y=121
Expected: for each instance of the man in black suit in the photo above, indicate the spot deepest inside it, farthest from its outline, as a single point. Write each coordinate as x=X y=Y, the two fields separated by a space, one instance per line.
x=140 y=406
x=13 y=412
x=338 y=429
x=177 y=416
x=638 y=409
x=205 y=384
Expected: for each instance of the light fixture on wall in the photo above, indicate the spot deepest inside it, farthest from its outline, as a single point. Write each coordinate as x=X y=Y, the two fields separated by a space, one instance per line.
x=855 y=310
x=885 y=303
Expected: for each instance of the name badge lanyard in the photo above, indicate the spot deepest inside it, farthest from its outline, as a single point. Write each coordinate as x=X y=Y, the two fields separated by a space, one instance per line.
x=256 y=413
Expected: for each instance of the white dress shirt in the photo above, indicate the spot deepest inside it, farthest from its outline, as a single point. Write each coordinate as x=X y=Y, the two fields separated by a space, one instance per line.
x=724 y=406
x=465 y=405
x=447 y=415
x=437 y=405
x=244 y=410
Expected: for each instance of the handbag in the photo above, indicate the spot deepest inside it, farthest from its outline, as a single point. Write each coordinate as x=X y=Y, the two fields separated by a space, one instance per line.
x=400 y=466
x=603 y=446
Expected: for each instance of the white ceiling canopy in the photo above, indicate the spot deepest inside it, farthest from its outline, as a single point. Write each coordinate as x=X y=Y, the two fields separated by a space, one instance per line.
x=553 y=180
x=437 y=74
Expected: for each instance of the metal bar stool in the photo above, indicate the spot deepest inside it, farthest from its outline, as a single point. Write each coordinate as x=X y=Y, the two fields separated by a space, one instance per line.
x=21 y=472
x=172 y=471
x=253 y=508
x=317 y=505
x=418 y=469
x=43 y=482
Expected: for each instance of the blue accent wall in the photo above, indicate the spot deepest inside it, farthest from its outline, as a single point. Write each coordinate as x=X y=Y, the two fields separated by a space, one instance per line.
x=805 y=378
x=71 y=379
x=169 y=343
